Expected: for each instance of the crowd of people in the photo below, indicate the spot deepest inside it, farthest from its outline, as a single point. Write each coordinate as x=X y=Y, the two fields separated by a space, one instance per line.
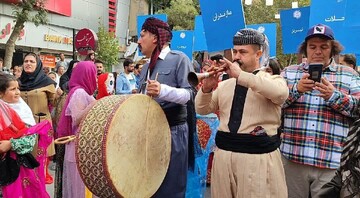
x=282 y=132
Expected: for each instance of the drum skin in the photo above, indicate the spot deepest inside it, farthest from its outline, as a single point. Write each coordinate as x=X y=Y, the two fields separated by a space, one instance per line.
x=123 y=146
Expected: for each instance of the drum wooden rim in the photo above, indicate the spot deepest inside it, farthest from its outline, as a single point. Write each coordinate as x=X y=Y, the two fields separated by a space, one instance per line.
x=104 y=159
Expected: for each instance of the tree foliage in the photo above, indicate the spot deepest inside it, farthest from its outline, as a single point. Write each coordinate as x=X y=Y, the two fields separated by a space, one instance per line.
x=158 y=4
x=108 y=48
x=25 y=11
x=181 y=14
x=258 y=12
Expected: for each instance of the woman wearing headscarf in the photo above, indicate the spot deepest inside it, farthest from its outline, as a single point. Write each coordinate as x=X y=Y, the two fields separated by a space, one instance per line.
x=60 y=148
x=38 y=91
x=64 y=79
x=105 y=85
x=80 y=99
x=90 y=56
x=64 y=86
x=55 y=77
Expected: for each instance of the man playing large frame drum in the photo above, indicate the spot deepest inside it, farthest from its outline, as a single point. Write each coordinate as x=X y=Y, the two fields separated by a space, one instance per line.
x=165 y=79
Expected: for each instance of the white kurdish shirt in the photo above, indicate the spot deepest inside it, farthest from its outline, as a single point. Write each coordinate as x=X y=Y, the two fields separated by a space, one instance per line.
x=172 y=94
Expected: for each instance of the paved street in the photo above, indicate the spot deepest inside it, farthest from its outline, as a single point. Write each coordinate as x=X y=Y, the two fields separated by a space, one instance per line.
x=208 y=192
x=50 y=187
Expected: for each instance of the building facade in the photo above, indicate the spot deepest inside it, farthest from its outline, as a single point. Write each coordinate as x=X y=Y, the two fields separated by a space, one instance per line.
x=66 y=18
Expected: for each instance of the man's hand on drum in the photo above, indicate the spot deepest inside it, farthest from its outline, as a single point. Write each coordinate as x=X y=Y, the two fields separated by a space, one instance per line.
x=153 y=88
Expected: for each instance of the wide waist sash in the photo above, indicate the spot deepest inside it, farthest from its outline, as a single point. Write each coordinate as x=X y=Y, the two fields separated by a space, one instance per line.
x=247 y=143
x=176 y=115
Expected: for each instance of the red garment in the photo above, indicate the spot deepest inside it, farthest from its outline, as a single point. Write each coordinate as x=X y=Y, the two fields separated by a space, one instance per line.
x=209 y=167
x=31 y=182
x=15 y=129
x=102 y=91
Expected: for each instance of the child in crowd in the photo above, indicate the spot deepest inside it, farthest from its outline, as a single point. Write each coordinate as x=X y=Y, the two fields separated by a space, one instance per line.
x=55 y=77
x=105 y=85
x=17 y=143
x=16 y=70
x=274 y=67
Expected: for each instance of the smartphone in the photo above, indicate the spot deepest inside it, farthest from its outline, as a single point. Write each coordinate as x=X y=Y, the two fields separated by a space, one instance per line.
x=217 y=57
x=315 y=70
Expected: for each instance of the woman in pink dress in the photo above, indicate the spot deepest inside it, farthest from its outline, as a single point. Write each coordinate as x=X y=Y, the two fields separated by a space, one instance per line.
x=79 y=101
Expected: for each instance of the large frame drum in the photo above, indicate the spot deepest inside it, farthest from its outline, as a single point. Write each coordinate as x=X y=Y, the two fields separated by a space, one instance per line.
x=123 y=147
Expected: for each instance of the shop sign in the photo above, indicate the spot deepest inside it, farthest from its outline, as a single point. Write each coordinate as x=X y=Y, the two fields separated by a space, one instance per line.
x=85 y=40
x=48 y=60
x=7 y=31
x=58 y=39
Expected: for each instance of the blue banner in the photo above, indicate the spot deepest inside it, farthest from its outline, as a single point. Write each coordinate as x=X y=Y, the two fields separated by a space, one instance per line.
x=357 y=59
x=352 y=13
x=199 y=35
x=141 y=19
x=183 y=41
x=222 y=19
x=294 y=26
x=269 y=29
x=333 y=15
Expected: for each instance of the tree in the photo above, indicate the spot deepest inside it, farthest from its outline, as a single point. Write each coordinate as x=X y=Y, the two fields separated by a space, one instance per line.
x=108 y=47
x=26 y=10
x=158 y=4
x=181 y=14
x=197 y=6
x=162 y=4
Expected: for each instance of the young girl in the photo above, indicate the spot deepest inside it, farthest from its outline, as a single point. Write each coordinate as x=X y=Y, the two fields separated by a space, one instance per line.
x=17 y=69
x=19 y=140
x=54 y=76
x=105 y=85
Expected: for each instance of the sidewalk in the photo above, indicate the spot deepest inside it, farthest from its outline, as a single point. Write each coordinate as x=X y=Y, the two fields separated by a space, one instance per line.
x=50 y=187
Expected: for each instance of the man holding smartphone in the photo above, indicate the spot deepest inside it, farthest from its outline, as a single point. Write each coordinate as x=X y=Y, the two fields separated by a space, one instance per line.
x=317 y=113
